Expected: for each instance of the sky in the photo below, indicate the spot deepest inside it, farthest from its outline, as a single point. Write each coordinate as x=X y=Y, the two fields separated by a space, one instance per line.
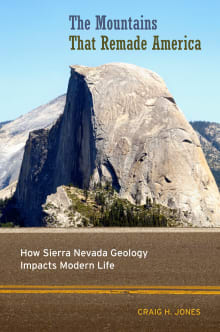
x=35 y=50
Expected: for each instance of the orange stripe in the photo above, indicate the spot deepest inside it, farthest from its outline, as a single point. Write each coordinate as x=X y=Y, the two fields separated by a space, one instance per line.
x=199 y=287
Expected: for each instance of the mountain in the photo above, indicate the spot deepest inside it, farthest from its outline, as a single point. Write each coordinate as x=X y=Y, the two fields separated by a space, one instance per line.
x=209 y=136
x=13 y=135
x=4 y=123
x=120 y=125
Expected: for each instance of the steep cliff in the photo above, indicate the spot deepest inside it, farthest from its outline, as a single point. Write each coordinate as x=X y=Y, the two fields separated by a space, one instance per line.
x=120 y=124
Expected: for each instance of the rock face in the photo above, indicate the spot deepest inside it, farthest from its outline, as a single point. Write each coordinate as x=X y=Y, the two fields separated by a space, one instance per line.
x=120 y=124
x=8 y=191
x=13 y=135
x=57 y=208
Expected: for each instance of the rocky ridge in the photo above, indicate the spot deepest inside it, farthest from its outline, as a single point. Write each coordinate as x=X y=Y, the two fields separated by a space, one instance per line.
x=102 y=206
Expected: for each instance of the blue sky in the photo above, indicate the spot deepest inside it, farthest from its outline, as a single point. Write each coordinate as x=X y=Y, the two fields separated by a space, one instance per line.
x=35 y=50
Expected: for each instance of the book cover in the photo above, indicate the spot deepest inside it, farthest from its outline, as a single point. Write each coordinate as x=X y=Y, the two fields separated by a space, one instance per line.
x=109 y=166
